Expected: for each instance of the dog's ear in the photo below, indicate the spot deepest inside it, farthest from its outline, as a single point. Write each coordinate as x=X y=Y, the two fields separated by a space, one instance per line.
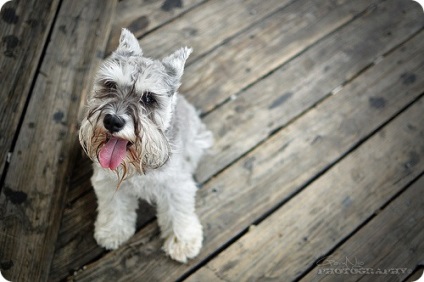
x=174 y=63
x=128 y=44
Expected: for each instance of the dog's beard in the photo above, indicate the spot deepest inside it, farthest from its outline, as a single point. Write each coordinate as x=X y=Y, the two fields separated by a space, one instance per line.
x=147 y=146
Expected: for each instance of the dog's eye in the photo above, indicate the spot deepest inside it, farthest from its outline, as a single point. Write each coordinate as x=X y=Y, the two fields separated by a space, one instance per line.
x=148 y=98
x=110 y=84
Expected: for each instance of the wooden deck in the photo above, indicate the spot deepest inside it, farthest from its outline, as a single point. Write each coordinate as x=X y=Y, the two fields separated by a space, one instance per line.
x=317 y=108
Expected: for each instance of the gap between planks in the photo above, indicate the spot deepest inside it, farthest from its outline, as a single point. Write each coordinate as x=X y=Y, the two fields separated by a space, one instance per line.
x=235 y=112
x=144 y=18
x=368 y=220
x=32 y=197
x=235 y=263
x=378 y=223
x=296 y=117
x=144 y=262
x=291 y=197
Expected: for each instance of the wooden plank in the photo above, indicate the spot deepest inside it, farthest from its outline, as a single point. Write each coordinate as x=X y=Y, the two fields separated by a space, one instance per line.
x=286 y=93
x=23 y=31
x=294 y=237
x=80 y=178
x=208 y=26
x=142 y=17
x=264 y=47
x=395 y=237
x=227 y=205
x=32 y=199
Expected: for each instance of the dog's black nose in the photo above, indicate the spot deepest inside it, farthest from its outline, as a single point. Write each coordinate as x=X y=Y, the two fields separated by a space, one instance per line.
x=113 y=123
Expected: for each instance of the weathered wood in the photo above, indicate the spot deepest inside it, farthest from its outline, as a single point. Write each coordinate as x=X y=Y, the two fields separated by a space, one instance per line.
x=80 y=178
x=391 y=240
x=285 y=94
x=76 y=246
x=208 y=26
x=280 y=166
x=24 y=26
x=32 y=199
x=71 y=246
x=293 y=238
x=264 y=47
x=73 y=258
x=143 y=16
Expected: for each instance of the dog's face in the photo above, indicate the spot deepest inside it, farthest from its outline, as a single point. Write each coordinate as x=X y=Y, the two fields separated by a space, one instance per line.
x=130 y=108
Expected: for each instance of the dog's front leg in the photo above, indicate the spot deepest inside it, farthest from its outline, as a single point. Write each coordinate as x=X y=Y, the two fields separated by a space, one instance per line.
x=116 y=216
x=179 y=224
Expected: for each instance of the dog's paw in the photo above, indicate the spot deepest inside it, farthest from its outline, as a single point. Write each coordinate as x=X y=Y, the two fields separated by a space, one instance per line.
x=111 y=238
x=181 y=250
x=186 y=243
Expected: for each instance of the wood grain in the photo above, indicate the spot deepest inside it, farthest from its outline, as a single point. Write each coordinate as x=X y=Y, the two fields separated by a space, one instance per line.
x=302 y=82
x=261 y=49
x=80 y=178
x=308 y=226
x=76 y=246
x=267 y=176
x=32 y=199
x=391 y=242
x=208 y=26
x=24 y=26
x=141 y=17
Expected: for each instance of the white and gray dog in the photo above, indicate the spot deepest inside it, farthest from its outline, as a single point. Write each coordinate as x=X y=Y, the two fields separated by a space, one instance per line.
x=145 y=141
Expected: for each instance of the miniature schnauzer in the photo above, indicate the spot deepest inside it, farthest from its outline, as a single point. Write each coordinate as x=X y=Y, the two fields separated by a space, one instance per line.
x=145 y=140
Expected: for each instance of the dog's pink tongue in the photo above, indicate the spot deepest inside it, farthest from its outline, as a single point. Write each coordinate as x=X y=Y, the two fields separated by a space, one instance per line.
x=112 y=153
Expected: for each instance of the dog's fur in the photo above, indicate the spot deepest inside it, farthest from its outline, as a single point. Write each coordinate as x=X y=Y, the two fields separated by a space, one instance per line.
x=165 y=138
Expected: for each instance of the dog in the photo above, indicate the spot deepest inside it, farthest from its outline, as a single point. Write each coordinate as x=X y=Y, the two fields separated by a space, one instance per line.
x=145 y=141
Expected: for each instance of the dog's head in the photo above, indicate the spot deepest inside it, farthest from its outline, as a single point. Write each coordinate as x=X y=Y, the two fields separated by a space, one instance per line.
x=130 y=108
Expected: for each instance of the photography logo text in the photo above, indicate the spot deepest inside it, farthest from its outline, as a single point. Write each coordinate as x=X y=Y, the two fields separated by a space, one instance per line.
x=353 y=266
